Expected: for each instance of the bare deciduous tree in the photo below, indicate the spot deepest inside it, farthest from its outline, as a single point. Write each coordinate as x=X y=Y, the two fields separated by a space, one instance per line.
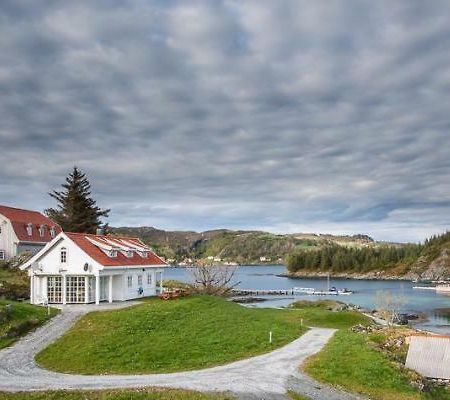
x=213 y=279
x=389 y=305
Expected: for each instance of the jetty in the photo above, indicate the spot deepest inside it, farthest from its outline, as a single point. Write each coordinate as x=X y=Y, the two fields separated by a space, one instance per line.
x=289 y=292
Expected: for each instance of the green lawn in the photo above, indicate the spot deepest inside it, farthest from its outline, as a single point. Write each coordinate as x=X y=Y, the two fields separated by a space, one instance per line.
x=23 y=318
x=166 y=336
x=351 y=362
x=138 y=394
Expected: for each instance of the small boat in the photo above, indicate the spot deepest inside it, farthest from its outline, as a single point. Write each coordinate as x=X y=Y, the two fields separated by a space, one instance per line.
x=444 y=288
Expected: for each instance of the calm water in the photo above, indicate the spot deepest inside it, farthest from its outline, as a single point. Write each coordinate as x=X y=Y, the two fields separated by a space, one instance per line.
x=436 y=307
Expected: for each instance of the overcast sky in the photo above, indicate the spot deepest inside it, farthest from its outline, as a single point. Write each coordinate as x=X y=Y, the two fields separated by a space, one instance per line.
x=287 y=116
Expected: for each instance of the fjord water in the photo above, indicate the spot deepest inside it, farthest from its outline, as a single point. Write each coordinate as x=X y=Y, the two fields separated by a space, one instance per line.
x=434 y=307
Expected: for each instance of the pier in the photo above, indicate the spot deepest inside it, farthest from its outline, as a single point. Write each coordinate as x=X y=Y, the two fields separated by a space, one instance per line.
x=288 y=292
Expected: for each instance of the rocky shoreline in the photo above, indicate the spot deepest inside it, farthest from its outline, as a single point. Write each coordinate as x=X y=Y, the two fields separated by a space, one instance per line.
x=379 y=275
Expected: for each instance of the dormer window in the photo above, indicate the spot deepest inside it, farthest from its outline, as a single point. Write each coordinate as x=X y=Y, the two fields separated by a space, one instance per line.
x=129 y=253
x=42 y=230
x=30 y=229
x=112 y=253
x=144 y=254
x=52 y=231
x=63 y=255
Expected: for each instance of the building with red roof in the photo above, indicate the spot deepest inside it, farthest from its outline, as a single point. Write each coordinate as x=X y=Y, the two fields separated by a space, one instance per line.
x=86 y=268
x=24 y=230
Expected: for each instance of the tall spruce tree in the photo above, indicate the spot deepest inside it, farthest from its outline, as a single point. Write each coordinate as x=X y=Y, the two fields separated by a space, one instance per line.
x=76 y=210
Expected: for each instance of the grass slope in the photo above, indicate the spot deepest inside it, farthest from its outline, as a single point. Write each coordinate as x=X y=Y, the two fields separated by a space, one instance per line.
x=138 y=394
x=23 y=318
x=157 y=336
x=350 y=362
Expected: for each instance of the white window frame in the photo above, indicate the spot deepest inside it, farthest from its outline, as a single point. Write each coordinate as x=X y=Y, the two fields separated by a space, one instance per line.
x=2 y=255
x=130 y=281
x=149 y=278
x=52 y=231
x=42 y=230
x=63 y=255
x=30 y=229
x=139 y=280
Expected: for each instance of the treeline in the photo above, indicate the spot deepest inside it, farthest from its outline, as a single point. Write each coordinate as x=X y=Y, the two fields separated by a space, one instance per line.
x=341 y=259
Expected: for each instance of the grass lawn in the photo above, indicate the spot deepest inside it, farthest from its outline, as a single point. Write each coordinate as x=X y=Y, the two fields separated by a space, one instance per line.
x=351 y=362
x=138 y=394
x=166 y=336
x=23 y=318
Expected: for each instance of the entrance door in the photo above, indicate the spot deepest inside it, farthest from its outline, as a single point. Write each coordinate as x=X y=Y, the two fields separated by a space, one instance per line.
x=54 y=289
x=103 y=288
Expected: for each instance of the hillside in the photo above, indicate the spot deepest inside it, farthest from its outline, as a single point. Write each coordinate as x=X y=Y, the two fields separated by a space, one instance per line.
x=427 y=261
x=237 y=246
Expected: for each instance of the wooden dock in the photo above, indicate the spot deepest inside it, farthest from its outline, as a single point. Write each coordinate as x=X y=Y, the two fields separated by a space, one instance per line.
x=263 y=292
x=286 y=292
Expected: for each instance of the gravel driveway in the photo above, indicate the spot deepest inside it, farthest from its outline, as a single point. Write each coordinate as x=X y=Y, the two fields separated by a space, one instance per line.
x=267 y=376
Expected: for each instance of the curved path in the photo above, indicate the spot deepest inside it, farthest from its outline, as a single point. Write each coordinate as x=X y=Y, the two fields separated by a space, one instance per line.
x=267 y=376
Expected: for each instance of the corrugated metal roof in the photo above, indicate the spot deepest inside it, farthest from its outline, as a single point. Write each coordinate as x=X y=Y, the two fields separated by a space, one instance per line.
x=430 y=356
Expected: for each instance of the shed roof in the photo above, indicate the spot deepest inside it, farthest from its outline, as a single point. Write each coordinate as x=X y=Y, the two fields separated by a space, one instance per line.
x=430 y=356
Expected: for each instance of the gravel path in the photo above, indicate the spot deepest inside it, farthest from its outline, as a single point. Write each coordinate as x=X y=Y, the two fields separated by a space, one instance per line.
x=263 y=377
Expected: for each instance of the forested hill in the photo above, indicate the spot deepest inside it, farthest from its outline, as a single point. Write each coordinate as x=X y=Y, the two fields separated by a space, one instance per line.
x=238 y=246
x=430 y=260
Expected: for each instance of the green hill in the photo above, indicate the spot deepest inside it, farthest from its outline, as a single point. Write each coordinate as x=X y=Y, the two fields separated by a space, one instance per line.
x=237 y=246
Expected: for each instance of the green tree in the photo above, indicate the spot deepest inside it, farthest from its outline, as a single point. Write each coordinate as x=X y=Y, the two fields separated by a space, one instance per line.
x=76 y=210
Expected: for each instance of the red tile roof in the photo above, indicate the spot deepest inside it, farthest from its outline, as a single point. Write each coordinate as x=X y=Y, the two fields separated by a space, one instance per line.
x=85 y=242
x=21 y=218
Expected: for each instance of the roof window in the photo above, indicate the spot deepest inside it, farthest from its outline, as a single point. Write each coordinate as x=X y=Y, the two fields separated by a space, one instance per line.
x=112 y=253
x=42 y=230
x=52 y=231
x=30 y=229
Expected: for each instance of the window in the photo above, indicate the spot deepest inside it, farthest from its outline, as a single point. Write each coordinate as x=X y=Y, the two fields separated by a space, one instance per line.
x=112 y=253
x=75 y=289
x=0 y=230
x=30 y=229
x=52 y=232
x=149 y=279
x=129 y=253
x=2 y=255
x=41 y=230
x=54 y=289
x=63 y=255
x=139 y=280
x=130 y=281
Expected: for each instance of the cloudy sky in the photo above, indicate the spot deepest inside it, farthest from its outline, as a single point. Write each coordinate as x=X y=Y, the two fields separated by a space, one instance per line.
x=288 y=116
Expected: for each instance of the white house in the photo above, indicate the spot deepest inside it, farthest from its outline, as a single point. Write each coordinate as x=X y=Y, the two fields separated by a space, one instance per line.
x=24 y=230
x=85 y=268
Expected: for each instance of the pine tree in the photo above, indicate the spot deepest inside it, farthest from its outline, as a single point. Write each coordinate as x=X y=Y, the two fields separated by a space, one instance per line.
x=76 y=210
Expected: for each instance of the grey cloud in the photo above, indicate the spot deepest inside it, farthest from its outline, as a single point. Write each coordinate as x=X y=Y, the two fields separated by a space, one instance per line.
x=287 y=116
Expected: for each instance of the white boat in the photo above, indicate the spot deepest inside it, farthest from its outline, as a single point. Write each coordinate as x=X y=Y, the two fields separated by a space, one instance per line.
x=445 y=288
x=425 y=287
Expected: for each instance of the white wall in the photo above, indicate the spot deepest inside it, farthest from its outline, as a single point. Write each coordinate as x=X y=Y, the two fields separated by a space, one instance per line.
x=8 y=238
x=121 y=291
